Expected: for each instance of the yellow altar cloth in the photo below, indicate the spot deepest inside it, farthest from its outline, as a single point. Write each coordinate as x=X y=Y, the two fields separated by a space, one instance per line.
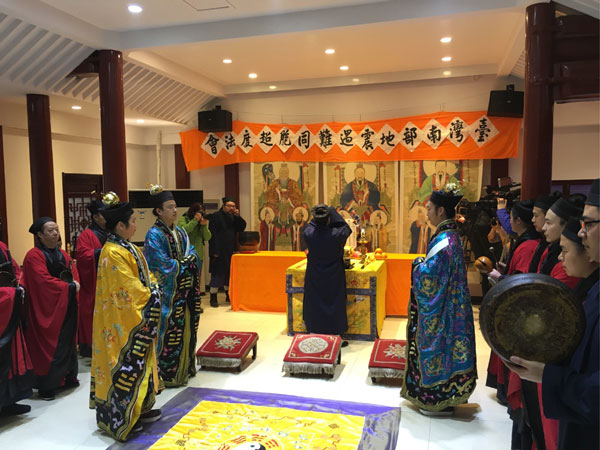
x=365 y=303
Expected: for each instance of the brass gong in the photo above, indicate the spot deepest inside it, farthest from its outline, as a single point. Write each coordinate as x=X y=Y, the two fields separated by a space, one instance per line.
x=532 y=316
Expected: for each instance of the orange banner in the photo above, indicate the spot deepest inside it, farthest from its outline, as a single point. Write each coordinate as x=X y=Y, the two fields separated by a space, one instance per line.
x=443 y=136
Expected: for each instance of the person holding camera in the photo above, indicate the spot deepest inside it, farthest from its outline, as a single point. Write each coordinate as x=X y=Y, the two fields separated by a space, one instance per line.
x=503 y=215
x=195 y=223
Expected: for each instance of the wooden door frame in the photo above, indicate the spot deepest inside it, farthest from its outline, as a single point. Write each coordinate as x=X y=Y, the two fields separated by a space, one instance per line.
x=78 y=183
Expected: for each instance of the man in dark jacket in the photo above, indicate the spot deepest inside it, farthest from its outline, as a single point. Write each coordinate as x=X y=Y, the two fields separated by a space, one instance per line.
x=223 y=226
x=325 y=281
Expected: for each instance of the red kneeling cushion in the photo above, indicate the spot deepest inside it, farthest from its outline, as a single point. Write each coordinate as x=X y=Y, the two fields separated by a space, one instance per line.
x=313 y=348
x=228 y=344
x=388 y=354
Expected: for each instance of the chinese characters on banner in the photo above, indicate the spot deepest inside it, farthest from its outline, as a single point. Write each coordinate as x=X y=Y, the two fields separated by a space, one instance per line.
x=439 y=136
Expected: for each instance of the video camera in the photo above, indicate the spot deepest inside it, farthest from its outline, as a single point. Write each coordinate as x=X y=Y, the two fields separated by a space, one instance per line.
x=480 y=216
x=489 y=202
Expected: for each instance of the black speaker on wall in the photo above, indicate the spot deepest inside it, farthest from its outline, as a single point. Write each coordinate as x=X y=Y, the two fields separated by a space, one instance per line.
x=214 y=120
x=508 y=103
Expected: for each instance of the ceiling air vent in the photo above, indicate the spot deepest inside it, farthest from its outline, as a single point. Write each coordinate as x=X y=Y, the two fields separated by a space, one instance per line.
x=208 y=5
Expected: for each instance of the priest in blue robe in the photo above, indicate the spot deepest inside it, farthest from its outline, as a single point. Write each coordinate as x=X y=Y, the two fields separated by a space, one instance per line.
x=440 y=360
x=174 y=262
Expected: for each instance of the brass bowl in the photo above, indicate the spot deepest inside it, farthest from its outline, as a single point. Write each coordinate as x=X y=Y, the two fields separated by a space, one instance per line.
x=249 y=241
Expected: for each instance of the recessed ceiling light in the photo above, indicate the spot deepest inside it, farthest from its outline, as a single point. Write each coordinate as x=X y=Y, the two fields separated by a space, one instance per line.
x=447 y=58
x=272 y=87
x=135 y=9
x=252 y=75
x=446 y=40
x=140 y=121
x=344 y=67
x=76 y=107
x=227 y=61
x=330 y=51
x=447 y=73
x=356 y=80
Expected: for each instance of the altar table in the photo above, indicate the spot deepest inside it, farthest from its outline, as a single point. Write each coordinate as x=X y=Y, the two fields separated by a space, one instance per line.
x=257 y=281
x=365 y=299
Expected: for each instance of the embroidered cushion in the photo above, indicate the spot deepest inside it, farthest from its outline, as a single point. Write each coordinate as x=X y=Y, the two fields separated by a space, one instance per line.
x=226 y=348
x=388 y=358
x=313 y=353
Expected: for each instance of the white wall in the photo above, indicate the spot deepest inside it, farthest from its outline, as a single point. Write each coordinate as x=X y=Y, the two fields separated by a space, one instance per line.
x=370 y=102
x=575 y=146
x=210 y=180
x=576 y=153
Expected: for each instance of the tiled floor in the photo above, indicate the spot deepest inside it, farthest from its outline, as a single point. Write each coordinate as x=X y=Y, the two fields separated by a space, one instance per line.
x=67 y=423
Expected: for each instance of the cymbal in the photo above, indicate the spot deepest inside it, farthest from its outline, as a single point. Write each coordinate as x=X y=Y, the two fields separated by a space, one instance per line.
x=532 y=316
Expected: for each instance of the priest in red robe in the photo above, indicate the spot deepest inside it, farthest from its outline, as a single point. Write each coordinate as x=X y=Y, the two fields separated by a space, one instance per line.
x=52 y=284
x=508 y=387
x=521 y=252
x=87 y=252
x=16 y=370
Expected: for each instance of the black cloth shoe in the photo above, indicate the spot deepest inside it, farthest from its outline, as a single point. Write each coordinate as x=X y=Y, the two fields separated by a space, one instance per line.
x=344 y=343
x=71 y=382
x=213 y=300
x=14 y=410
x=151 y=416
x=85 y=351
x=137 y=427
x=227 y=297
x=47 y=395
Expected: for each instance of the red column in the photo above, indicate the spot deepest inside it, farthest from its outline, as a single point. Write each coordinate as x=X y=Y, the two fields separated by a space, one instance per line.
x=40 y=156
x=182 y=176
x=232 y=182
x=539 y=102
x=112 y=122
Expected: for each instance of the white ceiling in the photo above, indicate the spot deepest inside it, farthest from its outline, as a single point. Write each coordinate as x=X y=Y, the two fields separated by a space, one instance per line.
x=477 y=39
x=283 y=41
x=113 y=14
